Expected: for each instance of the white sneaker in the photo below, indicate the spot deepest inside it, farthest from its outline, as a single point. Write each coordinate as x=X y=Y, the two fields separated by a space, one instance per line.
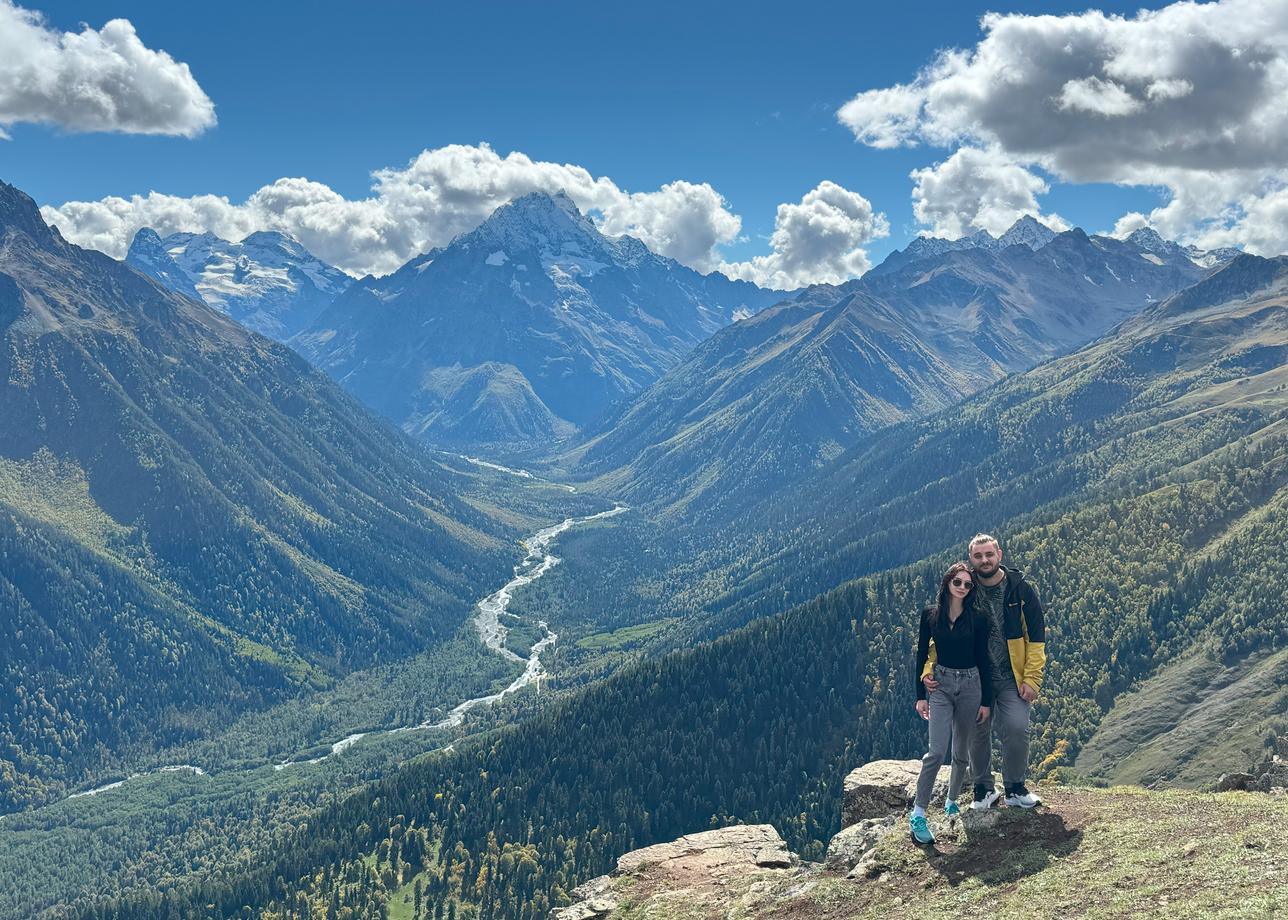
x=984 y=798
x=1018 y=796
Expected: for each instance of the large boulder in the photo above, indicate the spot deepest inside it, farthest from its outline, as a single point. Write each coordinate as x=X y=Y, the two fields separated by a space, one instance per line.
x=741 y=844
x=885 y=787
x=1232 y=782
x=848 y=848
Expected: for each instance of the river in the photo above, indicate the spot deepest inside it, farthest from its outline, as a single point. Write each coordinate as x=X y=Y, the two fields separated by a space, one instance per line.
x=487 y=620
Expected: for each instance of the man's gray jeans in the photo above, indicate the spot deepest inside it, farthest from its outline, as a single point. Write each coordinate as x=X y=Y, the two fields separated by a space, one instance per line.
x=954 y=705
x=1011 y=716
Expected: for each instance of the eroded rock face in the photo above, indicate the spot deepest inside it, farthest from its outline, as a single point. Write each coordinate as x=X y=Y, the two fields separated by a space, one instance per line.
x=885 y=787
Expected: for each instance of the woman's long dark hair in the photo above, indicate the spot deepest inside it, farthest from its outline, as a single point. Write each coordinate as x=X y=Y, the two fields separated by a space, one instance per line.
x=941 y=605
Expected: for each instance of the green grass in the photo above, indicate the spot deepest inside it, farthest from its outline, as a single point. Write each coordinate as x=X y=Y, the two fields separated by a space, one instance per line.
x=294 y=667
x=56 y=492
x=627 y=635
x=1197 y=718
x=522 y=635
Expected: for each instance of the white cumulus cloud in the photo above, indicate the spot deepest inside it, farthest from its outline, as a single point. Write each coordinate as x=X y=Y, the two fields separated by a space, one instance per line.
x=450 y=190
x=885 y=118
x=440 y=194
x=1257 y=223
x=94 y=80
x=977 y=189
x=684 y=221
x=1103 y=97
x=819 y=240
x=1187 y=98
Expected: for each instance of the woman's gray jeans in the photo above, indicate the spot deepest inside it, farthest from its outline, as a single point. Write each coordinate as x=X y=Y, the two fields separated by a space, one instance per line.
x=954 y=706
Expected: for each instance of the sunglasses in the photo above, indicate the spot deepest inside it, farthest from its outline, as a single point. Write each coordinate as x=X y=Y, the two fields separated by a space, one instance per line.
x=961 y=582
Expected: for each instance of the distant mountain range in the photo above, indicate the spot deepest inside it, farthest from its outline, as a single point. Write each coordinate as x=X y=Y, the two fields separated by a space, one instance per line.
x=193 y=521
x=522 y=331
x=535 y=327
x=785 y=391
x=1027 y=231
x=267 y=282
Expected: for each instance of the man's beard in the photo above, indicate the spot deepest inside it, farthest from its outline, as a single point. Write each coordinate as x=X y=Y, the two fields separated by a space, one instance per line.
x=986 y=571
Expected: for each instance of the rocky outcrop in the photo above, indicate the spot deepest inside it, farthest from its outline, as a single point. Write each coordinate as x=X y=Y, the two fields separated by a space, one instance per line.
x=748 y=863
x=1268 y=776
x=885 y=787
x=694 y=865
x=1082 y=853
x=856 y=842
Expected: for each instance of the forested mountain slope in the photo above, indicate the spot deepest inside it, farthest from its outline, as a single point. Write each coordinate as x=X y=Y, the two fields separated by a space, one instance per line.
x=192 y=520
x=1141 y=483
x=774 y=397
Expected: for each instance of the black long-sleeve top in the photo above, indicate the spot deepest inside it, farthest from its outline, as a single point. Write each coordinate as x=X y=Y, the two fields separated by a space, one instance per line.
x=963 y=644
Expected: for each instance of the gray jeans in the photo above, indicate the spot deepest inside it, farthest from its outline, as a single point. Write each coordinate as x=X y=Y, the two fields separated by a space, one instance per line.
x=954 y=705
x=1011 y=716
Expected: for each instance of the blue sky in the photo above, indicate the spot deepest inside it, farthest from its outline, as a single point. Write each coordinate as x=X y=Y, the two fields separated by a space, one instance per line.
x=741 y=96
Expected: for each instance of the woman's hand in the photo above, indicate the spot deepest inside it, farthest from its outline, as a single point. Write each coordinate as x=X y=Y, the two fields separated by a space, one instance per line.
x=1027 y=693
x=930 y=682
x=923 y=709
x=983 y=714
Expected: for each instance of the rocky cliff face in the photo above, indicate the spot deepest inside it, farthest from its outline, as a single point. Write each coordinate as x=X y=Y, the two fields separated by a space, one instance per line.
x=1121 y=852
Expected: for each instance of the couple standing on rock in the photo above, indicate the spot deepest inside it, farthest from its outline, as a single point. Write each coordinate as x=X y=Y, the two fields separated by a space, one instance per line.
x=979 y=664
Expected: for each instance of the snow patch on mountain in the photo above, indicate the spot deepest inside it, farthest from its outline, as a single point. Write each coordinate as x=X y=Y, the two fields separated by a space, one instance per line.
x=267 y=281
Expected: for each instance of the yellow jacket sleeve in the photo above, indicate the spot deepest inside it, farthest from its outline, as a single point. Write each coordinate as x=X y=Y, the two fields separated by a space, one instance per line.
x=1034 y=662
x=930 y=662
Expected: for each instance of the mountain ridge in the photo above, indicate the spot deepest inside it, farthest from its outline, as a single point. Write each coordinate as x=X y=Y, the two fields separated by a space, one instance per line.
x=534 y=307
x=194 y=521
x=890 y=346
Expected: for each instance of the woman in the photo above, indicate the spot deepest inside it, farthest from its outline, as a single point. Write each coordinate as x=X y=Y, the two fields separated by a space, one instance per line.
x=963 y=695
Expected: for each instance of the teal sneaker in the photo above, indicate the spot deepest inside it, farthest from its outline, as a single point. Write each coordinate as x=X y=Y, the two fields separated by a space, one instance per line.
x=951 y=809
x=921 y=830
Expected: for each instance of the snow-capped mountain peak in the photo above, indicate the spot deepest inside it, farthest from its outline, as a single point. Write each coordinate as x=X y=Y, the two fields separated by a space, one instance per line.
x=528 y=326
x=149 y=254
x=267 y=281
x=536 y=220
x=1148 y=239
x=1146 y=243
x=1027 y=231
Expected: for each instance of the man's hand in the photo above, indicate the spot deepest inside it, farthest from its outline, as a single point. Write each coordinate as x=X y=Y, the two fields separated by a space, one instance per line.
x=923 y=709
x=1027 y=693
x=930 y=682
x=983 y=714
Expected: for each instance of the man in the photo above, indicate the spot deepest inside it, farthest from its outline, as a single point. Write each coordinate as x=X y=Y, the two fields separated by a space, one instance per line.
x=1017 y=633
